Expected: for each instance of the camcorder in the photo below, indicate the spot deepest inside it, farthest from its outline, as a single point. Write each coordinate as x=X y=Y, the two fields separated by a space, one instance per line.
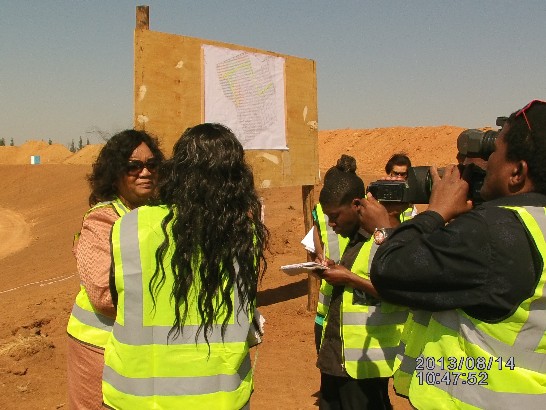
x=418 y=187
x=471 y=143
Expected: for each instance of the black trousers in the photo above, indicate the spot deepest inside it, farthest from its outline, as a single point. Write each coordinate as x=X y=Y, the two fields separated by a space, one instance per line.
x=345 y=393
x=318 y=336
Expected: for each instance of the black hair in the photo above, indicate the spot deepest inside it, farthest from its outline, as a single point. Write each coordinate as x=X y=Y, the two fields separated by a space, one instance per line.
x=214 y=223
x=341 y=184
x=529 y=145
x=112 y=160
x=398 y=159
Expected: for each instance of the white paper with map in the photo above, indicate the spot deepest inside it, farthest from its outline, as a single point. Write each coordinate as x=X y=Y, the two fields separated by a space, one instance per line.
x=245 y=91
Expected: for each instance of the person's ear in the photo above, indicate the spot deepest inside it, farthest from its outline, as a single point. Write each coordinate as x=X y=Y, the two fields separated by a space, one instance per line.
x=356 y=202
x=519 y=174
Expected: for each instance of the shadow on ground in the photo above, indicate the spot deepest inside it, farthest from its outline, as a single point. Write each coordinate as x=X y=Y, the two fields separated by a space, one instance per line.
x=282 y=293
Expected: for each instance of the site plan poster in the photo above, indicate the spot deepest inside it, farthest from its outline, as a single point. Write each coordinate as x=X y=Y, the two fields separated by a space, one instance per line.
x=245 y=91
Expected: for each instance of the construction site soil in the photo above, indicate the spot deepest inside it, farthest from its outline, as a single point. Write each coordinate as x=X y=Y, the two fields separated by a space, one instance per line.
x=41 y=207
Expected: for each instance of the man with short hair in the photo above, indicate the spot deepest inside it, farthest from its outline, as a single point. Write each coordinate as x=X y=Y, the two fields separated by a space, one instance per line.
x=361 y=335
x=398 y=165
x=483 y=276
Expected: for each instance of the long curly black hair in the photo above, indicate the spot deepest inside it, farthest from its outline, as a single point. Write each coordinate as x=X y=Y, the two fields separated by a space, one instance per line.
x=214 y=222
x=112 y=161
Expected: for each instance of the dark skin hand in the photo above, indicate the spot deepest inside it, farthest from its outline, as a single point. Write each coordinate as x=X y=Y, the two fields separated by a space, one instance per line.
x=449 y=194
x=338 y=275
x=326 y=262
x=374 y=214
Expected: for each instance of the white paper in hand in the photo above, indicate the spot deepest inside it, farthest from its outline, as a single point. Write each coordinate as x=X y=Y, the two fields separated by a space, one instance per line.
x=298 y=268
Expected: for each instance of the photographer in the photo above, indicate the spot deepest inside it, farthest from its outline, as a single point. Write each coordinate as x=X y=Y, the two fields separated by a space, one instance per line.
x=397 y=167
x=482 y=276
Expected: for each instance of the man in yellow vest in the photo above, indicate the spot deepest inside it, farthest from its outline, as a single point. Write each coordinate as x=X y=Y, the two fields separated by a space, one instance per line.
x=482 y=275
x=361 y=334
x=398 y=167
x=328 y=246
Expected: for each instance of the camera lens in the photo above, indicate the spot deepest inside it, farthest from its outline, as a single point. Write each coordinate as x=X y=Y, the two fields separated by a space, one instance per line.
x=488 y=144
x=469 y=142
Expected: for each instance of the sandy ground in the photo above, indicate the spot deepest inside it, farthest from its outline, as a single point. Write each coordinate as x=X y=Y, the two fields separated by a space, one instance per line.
x=41 y=207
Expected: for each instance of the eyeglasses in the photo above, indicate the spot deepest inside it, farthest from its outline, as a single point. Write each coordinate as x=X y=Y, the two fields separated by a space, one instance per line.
x=399 y=174
x=526 y=108
x=134 y=166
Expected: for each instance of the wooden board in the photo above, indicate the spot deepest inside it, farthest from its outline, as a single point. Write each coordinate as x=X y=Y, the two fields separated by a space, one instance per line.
x=169 y=98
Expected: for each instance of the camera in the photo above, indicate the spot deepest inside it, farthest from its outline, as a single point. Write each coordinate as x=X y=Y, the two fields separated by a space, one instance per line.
x=390 y=191
x=471 y=143
x=418 y=187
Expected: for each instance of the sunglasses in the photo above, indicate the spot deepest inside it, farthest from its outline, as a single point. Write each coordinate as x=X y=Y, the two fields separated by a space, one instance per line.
x=134 y=166
x=399 y=174
x=526 y=108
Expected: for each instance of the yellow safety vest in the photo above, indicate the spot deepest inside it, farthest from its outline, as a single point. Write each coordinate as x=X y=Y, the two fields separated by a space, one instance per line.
x=144 y=368
x=370 y=329
x=334 y=246
x=470 y=364
x=407 y=214
x=86 y=324
x=411 y=339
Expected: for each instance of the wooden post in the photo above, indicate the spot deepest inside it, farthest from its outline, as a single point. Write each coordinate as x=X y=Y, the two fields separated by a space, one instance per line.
x=313 y=282
x=143 y=18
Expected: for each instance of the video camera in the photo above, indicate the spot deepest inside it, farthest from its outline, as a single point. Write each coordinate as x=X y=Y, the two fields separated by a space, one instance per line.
x=417 y=188
x=471 y=143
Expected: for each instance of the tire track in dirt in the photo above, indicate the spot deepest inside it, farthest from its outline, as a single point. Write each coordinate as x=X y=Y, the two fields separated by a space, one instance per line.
x=14 y=232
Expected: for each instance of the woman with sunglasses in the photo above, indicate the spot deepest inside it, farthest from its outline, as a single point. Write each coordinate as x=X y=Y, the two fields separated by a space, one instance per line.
x=184 y=281
x=124 y=177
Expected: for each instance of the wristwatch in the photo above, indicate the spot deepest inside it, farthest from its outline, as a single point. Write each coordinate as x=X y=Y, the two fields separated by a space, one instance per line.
x=380 y=235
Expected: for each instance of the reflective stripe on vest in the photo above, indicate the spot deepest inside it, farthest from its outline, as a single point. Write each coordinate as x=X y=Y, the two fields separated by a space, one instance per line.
x=172 y=386
x=86 y=324
x=144 y=368
x=511 y=354
x=407 y=214
x=334 y=246
x=411 y=346
x=370 y=329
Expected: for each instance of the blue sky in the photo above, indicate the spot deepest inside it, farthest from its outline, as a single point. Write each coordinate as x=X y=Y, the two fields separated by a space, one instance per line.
x=66 y=67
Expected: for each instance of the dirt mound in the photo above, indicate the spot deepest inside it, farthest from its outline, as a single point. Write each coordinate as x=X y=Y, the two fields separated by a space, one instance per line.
x=86 y=156
x=372 y=148
x=49 y=154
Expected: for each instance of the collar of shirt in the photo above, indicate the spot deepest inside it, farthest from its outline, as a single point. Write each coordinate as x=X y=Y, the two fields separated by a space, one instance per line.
x=527 y=199
x=360 y=236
